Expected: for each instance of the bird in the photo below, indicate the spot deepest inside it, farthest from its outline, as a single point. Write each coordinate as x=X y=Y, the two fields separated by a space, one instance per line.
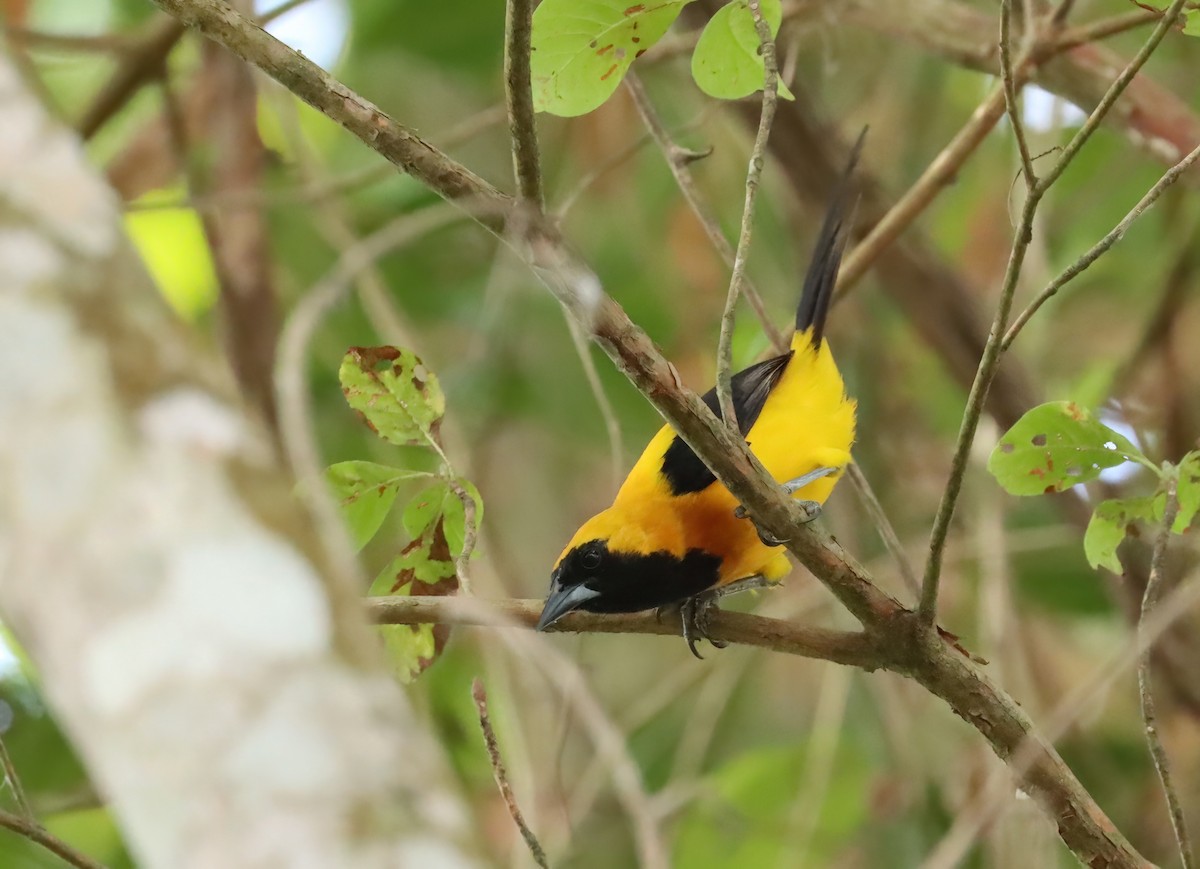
x=674 y=535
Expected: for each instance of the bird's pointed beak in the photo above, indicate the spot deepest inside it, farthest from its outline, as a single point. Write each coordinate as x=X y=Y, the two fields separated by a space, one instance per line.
x=563 y=600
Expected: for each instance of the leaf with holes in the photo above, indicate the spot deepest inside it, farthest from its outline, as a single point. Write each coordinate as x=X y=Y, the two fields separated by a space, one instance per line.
x=399 y=397
x=1056 y=446
x=1109 y=525
x=366 y=492
x=728 y=62
x=423 y=568
x=1188 y=491
x=582 y=48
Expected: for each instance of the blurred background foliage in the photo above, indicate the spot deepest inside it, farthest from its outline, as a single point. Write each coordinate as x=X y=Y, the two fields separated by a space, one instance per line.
x=751 y=759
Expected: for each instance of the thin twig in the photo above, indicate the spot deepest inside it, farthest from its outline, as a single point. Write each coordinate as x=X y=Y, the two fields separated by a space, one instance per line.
x=993 y=349
x=884 y=526
x=38 y=834
x=753 y=175
x=1008 y=79
x=479 y=694
x=1115 y=90
x=974 y=411
x=518 y=29
x=1095 y=31
x=1102 y=246
x=14 y=783
x=1149 y=715
x=678 y=159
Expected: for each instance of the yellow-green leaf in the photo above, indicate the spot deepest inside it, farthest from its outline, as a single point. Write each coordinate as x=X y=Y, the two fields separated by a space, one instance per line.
x=728 y=62
x=1107 y=527
x=1055 y=446
x=395 y=392
x=1188 y=492
x=366 y=492
x=583 y=48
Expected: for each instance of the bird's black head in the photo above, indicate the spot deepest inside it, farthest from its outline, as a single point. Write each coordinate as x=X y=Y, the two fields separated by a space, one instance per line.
x=592 y=577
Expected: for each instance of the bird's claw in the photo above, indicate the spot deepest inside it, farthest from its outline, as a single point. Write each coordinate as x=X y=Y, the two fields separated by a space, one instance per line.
x=696 y=615
x=811 y=509
x=696 y=612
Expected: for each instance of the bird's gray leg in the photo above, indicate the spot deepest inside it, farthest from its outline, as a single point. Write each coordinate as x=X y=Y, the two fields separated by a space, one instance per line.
x=811 y=509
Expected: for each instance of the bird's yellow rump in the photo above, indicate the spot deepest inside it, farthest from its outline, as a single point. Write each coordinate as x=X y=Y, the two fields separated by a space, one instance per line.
x=671 y=534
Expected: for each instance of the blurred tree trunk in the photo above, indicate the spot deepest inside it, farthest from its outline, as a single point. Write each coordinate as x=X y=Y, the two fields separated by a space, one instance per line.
x=188 y=644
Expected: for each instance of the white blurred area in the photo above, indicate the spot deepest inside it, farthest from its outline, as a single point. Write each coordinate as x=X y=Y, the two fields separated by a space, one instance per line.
x=317 y=29
x=1044 y=111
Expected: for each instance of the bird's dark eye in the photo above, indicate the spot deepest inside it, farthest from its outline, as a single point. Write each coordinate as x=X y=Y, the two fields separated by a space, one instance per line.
x=590 y=559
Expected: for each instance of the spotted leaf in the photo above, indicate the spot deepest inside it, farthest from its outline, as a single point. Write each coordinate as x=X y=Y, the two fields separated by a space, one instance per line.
x=1056 y=446
x=583 y=48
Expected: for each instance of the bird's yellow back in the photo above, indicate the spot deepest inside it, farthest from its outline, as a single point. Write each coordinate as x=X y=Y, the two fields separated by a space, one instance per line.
x=671 y=532
x=807 y=422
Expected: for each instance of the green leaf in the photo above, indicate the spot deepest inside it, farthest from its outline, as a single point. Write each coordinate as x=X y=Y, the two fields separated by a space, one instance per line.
x=440 y=501
x=396 y=394
x=1188 y=492
x=424 y=567
x=1055 y=446
x=1107 y=527
x=366 y=492
x=583 y=48
x=424 y=509
x=728 y=63
x=408 y=649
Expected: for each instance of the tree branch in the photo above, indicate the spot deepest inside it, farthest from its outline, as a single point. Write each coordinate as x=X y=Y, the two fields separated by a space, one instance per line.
x=855 y=649
x=912 y=648
x=518 y=30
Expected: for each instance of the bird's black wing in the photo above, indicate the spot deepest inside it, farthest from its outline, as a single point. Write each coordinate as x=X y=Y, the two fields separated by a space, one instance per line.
x=683 y=470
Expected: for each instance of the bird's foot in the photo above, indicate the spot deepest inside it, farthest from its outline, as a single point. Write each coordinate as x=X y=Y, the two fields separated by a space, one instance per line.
x=812 y=509
x=696 y=612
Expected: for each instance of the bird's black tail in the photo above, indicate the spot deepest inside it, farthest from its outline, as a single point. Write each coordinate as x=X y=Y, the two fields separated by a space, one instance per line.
x=821 y=278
